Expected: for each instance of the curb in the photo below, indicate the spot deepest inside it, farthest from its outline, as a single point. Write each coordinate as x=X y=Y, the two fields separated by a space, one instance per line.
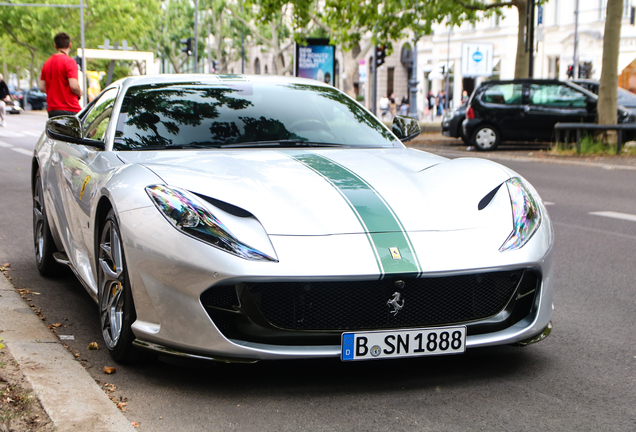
x=68 y=394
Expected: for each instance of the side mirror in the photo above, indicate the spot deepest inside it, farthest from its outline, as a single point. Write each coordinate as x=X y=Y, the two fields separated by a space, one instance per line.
x=405 y=128
x=69 y=129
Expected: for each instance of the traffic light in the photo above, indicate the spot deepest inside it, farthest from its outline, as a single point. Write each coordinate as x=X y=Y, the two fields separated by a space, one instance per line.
x=380 y=54
x=188 y=46
x=570 y=71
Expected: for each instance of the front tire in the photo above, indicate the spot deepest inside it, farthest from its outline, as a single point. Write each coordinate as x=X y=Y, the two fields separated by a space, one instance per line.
x=485 y=138
x=42 y=237
x=116 y=308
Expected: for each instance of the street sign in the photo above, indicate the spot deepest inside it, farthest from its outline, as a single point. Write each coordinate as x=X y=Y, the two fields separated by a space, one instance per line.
x=477 y=59
x=362 y=70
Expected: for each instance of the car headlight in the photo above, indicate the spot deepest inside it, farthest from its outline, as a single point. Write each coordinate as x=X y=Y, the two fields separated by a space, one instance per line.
x=187 y=214
x=526 y=216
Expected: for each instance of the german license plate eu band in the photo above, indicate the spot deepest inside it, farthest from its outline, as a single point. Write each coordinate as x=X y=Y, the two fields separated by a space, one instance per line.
x=403 y=343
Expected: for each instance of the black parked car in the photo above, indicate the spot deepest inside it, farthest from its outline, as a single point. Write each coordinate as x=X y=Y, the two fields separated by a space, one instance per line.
x=527 y=110
x=625 y=97
x=33 y=99
x=452 y=123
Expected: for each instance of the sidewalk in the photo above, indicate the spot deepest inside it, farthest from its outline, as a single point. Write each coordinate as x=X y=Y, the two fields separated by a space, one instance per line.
x=437 y=143
x=66 y=391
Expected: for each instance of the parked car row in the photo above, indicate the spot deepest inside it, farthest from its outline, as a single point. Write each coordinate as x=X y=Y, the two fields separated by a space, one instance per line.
x=525 y=110
x=31 y=99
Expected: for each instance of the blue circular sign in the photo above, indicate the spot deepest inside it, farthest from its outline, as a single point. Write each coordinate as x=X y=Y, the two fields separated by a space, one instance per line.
x=478 y=56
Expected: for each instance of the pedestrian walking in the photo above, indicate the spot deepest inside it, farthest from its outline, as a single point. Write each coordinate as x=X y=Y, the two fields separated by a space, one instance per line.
x=464 y=97
x=5 y=96
x=404 y=105
x=440 y=103
x=59 y=79
x=384 y=108
x=392 y=105
x=432 y=101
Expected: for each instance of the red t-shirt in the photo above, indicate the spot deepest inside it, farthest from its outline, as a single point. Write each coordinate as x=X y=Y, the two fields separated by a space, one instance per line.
x=56 y=72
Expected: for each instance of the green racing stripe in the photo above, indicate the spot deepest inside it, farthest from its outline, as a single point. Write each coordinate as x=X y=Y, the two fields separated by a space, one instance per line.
x=382 y=226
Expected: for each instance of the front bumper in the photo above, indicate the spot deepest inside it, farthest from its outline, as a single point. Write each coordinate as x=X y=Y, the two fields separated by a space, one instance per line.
x=172 y=271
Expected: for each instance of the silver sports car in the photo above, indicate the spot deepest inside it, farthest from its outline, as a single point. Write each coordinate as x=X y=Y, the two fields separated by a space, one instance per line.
x=240 y=218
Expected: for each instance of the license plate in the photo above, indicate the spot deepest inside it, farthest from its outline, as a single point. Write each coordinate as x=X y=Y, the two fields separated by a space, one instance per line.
x=403 y=343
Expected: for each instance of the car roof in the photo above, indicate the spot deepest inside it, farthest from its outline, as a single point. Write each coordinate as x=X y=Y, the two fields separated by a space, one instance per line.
x=525 y=80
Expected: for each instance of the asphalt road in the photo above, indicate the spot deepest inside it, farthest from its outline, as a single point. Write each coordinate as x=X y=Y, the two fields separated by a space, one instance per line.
x=582 y=378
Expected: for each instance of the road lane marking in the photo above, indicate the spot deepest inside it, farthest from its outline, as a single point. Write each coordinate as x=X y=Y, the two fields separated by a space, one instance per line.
x=9 y=134
x=548 y=203
x=594 y=230
x=615 y=215
x=4 y=144
x=23 y=151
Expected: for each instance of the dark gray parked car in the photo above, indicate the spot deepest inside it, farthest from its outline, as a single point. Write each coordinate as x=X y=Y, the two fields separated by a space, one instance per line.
x=527 y=110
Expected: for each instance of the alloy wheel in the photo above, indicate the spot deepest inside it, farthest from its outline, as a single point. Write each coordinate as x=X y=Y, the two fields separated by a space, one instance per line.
x=111 y=287
x=38 y=222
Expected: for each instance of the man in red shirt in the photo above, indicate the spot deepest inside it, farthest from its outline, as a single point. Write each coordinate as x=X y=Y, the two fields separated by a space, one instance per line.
x=59 y=80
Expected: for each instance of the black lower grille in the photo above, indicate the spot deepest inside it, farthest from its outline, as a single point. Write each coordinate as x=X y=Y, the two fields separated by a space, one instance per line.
x=364 y=304
x=315 y=313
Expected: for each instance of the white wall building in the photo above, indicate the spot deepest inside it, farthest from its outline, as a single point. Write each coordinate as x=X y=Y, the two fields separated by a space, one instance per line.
x=554 y=46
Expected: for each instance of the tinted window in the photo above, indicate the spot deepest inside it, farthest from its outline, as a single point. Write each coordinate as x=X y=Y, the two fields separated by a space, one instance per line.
x=556 y=95
x=97 y=119
x=211 y=115
x=504 y=94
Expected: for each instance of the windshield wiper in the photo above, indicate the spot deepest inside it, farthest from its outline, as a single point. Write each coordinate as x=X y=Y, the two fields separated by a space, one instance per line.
x=281 y=143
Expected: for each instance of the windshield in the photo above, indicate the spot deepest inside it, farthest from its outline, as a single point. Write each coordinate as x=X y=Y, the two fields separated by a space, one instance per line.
x=195 y=115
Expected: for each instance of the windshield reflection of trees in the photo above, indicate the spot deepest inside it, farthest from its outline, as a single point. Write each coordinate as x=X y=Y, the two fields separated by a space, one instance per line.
x=361 y=116
x=174 y=106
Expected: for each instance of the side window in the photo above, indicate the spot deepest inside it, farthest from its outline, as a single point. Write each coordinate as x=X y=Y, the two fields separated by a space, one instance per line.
x=503 y=94
x=556 y=95
x=97 y=119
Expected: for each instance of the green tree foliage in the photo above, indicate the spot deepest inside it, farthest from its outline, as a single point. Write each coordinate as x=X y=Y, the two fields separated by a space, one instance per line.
x=225 y=29
x=33 y=28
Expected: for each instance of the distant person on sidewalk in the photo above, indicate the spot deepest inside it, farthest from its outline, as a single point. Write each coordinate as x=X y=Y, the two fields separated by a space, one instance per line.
x=5 y=96
x=59 y=80
x=404 y=106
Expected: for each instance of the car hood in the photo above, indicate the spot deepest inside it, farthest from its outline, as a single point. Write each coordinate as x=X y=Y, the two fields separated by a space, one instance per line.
x=339 y=191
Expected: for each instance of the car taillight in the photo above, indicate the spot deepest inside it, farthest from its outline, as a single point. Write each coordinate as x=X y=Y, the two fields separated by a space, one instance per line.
x=470 y=113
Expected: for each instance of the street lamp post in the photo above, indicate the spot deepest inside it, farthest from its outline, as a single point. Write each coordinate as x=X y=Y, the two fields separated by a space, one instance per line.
x=196 y=36
x=414 y=82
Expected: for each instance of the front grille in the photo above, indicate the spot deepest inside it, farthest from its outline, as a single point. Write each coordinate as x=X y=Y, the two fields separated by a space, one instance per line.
x=320 y=306
x=316 y=313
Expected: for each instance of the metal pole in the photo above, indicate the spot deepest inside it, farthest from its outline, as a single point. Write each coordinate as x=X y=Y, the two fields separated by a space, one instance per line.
x=242 y=47
x=575 y=68
x=84 y=96
x=374 y=91
x=446 y=102
x=196 y=36
x=531 y=38
x=414 y=80
x=209 y=49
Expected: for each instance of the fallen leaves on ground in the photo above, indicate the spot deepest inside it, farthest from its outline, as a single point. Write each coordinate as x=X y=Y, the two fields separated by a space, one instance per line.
x=109 y=370
x=93 y=346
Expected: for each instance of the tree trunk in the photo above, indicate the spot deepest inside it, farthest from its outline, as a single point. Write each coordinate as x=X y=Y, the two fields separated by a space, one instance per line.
x=32 y=70
x=608 y=86
x=351 y=63
x=522 y=62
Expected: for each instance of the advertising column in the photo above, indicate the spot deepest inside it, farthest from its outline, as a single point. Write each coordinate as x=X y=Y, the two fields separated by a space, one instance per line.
x=316 y=60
